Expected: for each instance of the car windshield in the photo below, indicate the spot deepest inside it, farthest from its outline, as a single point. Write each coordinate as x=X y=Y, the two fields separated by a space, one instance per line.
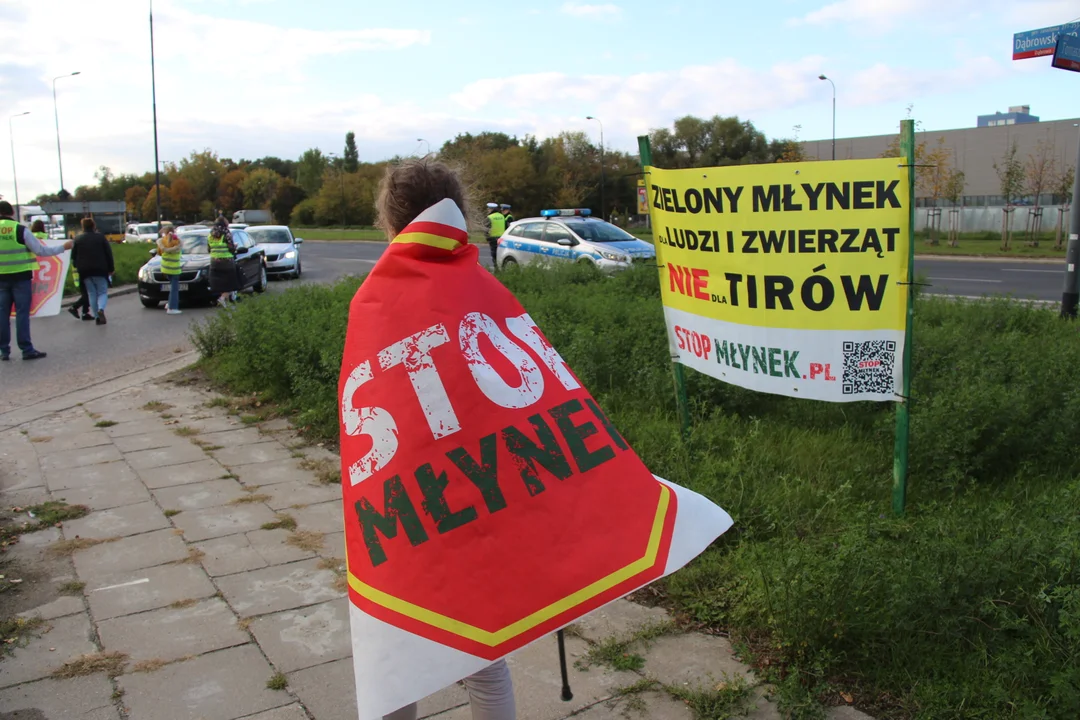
x=266 y=236
x=194 y=243
x=147 y=229
x=600 y=232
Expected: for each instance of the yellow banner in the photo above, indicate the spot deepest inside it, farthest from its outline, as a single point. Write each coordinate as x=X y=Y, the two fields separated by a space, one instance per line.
x=808 y=246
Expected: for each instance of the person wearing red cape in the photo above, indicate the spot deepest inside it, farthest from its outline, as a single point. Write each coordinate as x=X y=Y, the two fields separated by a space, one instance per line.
x=488 y=500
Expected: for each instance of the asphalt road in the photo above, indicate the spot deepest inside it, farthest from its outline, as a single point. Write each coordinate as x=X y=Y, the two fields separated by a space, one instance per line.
x=81 y=353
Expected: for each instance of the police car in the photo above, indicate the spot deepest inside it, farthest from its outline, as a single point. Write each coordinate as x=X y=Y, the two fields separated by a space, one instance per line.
x=571 y=236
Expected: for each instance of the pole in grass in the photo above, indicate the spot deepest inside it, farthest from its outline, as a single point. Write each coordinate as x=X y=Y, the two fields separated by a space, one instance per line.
x=903 y=409
x=567 y=694
x=677 y=372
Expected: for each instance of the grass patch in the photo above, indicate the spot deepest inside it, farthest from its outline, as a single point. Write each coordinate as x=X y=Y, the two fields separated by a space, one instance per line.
x=617 y=653
x=105 y=423
x=306 y=540
x=327 y=472
x=185 y=603
x=185 y=431
x=149 y=666
x=195 y=555
x=17 y=631
x=277 y=681
x=728 y=699
x=72 y=587
x=157 y=406
x=967 y=607
x=172 y=513
x=252 y=498
x=67 y=548
x=283 y=522
x=41 y=438
x=110 y=663
x=46 y=515
x=206 y=446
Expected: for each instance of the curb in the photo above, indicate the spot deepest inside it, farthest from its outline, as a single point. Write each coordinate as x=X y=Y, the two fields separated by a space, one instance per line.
x=115 y=292
x=990 y=258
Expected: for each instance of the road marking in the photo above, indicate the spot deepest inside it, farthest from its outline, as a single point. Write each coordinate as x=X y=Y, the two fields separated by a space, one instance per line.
x=964 y=280
x=1054 y=272
x=127 y=584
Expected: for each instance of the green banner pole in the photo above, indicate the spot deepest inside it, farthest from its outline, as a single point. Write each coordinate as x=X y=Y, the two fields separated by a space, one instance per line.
x=903 y=409
x=677 y=372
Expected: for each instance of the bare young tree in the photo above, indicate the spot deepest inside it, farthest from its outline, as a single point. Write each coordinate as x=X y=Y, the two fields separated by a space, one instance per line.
x=1064 y=176
x=1010 y=172
x=1038 y=176
x=932 y=182
x=954 y=190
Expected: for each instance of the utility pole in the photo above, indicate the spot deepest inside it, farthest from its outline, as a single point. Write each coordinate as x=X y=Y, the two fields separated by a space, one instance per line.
x=153 y=94
x=1069 y=294
x=602 y=180
x=15 y=175
x=56 y=116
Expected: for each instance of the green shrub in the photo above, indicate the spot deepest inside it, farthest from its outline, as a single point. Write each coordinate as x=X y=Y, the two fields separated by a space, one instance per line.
x=967 y=608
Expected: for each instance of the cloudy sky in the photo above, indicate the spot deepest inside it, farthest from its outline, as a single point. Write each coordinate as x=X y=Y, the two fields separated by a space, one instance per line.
x=250 y=78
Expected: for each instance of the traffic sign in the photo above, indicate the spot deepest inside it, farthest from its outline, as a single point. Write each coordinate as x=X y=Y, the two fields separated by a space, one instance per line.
x=1067 y=53
x=1037 y=43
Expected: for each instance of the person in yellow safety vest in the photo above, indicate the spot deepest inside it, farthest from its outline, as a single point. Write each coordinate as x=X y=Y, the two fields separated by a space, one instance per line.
x=496 y=228
x=168 y=246
x=19 y=250
x=506 y=211
x=223 y=278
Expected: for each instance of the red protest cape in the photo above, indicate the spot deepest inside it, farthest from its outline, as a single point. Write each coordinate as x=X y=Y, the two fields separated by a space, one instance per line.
x=488 y=500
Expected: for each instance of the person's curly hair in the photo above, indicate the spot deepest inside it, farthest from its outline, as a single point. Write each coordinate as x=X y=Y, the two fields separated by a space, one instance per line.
x=412 y=186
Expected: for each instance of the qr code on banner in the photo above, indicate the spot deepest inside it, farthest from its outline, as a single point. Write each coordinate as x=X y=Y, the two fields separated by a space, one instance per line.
x=868 y=367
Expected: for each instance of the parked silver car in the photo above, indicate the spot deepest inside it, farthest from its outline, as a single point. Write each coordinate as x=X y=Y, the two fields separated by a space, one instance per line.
x=281 y=248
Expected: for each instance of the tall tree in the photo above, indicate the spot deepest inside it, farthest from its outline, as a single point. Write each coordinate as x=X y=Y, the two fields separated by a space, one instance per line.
x=287 y=195
x=310 y=169
x=230 y=192
x=185 y=204
x=1010 y=172
x=149 y=208
x=352 y=155
x=203 y=170
x=135 y=196
x=259 y=187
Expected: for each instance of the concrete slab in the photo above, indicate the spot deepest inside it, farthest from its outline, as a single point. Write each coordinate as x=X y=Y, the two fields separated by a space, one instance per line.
x=448 y=698
x=538 y=682
x=328 y=691
x=140 y=427
x=277 y=588
x=71 y=440
x=165 y=456
x=619 y=619
x=298 y=639
x=272 y=473
x=228 y=555
x=60 y=607
x=149 y=589
x=232 y=437
x=185 y=474
x=130 y=553
x=324 y=517
x=117 y=522
x=333 y=545
x=650 y=705
x=845 y=712
x=289 y=712
x=300 y=492
x=693 y=659
x=68 y=638
x=126 y=491
x=148 y=441
x=317 y=452
x=172 y=633
x=22 y=498
x=125 y=411
x=20 y=472
x=273 y=548
x=275 y=425
x=81 y=698
x=197 y=496
x=207 y=421
x=82 y=477
x=80 y=457
x=262 y=452
x=220 y=521
x=219 y=686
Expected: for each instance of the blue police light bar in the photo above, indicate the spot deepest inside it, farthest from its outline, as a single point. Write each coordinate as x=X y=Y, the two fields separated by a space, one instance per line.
x=573 y=211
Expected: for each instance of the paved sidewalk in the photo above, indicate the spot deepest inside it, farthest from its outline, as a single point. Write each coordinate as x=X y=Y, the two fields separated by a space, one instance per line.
x=211 y=564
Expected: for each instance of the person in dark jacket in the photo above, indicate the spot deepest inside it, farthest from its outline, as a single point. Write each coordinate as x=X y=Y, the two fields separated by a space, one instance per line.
x=224 y=280
x=93 y=259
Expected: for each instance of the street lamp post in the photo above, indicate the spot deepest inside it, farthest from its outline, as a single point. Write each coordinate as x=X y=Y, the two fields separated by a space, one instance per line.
x=426 y=143
x=14 y=175
x=153 y=101
x=822 y=77
x=56 y=114
x=602 y=178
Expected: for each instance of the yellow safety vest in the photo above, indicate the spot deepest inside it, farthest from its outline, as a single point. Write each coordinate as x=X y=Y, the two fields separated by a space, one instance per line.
x=498 y=224
x=219 y=249
x=170 y=261
x=14 y=256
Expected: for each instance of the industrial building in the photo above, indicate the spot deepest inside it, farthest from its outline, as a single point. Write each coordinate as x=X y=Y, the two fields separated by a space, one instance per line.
x=975 y=150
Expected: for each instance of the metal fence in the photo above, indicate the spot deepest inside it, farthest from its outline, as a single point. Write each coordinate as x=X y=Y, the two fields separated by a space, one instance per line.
x=988 y=219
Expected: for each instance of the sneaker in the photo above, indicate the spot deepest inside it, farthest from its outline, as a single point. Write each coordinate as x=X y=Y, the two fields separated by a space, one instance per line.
x=170 y=311
x=87 y=316
x=33 y=355
x=101 y=317
x=74 y=312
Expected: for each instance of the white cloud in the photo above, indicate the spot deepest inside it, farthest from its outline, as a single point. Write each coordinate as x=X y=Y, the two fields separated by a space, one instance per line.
x=606 y=11
x=874 y=14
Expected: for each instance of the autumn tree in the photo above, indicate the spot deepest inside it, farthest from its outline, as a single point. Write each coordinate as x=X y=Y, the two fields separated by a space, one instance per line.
x=185 y=205
x=203 y=170
x=791 y=150
x=287 y=195
x=1038 y=176
x=932 y=181
x=309 y=171
x=351 y=155
x=954 y=191
x=1010 y=172
x=259 y=186
x=717 y=141
x=135 y=196
x=230 y=196
x=149 y=208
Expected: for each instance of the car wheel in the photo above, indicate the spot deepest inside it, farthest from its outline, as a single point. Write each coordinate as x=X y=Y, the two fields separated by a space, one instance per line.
x=261 y=285
x=296 y=275
x=148 y=303
x=508 y=261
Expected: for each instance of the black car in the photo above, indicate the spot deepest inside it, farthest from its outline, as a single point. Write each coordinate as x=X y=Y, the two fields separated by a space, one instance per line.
x=195 y=268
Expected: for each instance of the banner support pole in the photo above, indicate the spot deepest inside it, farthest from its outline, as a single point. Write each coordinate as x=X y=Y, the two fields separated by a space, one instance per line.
x=903 y=409
x=677 y=372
